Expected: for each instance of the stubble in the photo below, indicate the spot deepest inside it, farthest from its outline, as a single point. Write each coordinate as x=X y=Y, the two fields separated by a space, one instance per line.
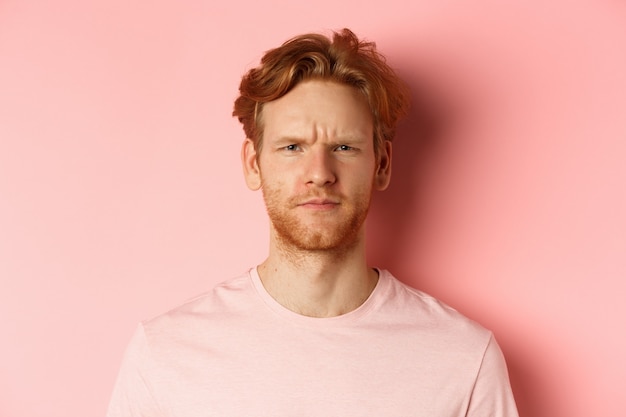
x=334 y=232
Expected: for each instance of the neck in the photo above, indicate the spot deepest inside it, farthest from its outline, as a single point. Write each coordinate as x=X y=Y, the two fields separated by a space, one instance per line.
x=318 y=283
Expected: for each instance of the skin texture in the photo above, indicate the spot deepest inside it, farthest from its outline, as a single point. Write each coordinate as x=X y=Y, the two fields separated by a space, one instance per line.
x=317 y=170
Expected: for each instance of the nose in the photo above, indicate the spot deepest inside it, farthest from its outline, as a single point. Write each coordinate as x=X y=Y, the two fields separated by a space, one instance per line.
x=320 y=170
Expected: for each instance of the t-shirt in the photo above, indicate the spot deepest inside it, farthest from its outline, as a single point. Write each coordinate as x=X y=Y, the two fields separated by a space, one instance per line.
x=235 y=351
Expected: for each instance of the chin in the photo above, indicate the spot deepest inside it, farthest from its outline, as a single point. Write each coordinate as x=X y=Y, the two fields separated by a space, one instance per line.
x=332 y=241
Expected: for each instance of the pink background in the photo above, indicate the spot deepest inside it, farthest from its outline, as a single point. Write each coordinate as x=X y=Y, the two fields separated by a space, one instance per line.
x=121 y=193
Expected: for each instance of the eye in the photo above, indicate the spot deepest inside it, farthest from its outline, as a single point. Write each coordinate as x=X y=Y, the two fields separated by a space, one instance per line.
x=344 y=148
x=292 y=147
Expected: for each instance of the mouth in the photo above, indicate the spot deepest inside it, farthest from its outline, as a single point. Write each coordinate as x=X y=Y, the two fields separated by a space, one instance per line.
x=319 y=203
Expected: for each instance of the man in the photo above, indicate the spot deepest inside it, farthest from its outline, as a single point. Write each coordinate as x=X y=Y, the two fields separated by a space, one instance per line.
x=313 y=331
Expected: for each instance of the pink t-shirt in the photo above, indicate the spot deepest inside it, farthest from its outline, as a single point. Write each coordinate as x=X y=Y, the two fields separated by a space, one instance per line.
x=235 y=351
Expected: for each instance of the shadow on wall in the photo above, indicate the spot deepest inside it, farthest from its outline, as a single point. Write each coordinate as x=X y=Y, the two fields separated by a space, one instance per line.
x=417 y=140
x=529 y=394
x=395 y=215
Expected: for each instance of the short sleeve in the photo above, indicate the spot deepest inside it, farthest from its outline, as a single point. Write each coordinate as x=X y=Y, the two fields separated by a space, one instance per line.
x=492 y=395
x=132 y=394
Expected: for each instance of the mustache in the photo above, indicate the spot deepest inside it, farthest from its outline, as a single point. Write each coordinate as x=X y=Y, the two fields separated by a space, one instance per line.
x=316 y=196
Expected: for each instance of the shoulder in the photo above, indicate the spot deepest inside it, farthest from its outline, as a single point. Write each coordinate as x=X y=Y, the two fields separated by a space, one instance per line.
x=230 y=297
x=429 y=316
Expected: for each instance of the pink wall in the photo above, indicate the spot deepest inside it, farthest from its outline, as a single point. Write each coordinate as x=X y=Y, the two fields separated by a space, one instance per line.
x=121 y=193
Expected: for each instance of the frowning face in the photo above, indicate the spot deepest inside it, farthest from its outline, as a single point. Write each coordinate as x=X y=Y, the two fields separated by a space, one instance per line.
x=317 y=167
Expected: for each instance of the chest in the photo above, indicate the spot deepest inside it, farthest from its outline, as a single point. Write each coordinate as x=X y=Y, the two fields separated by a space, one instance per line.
x=302 y=373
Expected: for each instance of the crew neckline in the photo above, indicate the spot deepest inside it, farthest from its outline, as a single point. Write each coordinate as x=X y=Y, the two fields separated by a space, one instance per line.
x=374 y=299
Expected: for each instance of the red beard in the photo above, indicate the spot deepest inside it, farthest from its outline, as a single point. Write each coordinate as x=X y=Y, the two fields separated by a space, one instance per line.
x=329 y=231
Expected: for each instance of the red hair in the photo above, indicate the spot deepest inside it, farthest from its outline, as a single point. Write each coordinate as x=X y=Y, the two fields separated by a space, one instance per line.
x=344 y=59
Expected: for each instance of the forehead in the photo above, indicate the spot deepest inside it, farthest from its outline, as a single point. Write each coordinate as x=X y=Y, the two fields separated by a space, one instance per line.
x=315 y=107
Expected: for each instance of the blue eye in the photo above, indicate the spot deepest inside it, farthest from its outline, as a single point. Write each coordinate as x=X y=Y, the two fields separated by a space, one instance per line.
x=344 y=148
x=291 y=147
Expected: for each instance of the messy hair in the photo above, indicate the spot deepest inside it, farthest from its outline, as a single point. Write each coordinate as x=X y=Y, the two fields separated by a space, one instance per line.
x=344 y=59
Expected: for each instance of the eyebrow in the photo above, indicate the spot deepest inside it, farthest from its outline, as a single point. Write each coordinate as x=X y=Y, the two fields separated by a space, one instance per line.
x=358 y=138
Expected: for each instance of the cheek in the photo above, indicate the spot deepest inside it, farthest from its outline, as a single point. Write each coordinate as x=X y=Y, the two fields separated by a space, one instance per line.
x=363 y=176
x=272 y=178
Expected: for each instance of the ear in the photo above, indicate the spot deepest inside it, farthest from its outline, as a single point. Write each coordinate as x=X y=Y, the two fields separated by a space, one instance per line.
x=382 y=177
x=251 y=171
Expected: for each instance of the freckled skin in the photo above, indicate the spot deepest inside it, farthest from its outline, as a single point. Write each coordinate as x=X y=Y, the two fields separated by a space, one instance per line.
x=317 y=166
